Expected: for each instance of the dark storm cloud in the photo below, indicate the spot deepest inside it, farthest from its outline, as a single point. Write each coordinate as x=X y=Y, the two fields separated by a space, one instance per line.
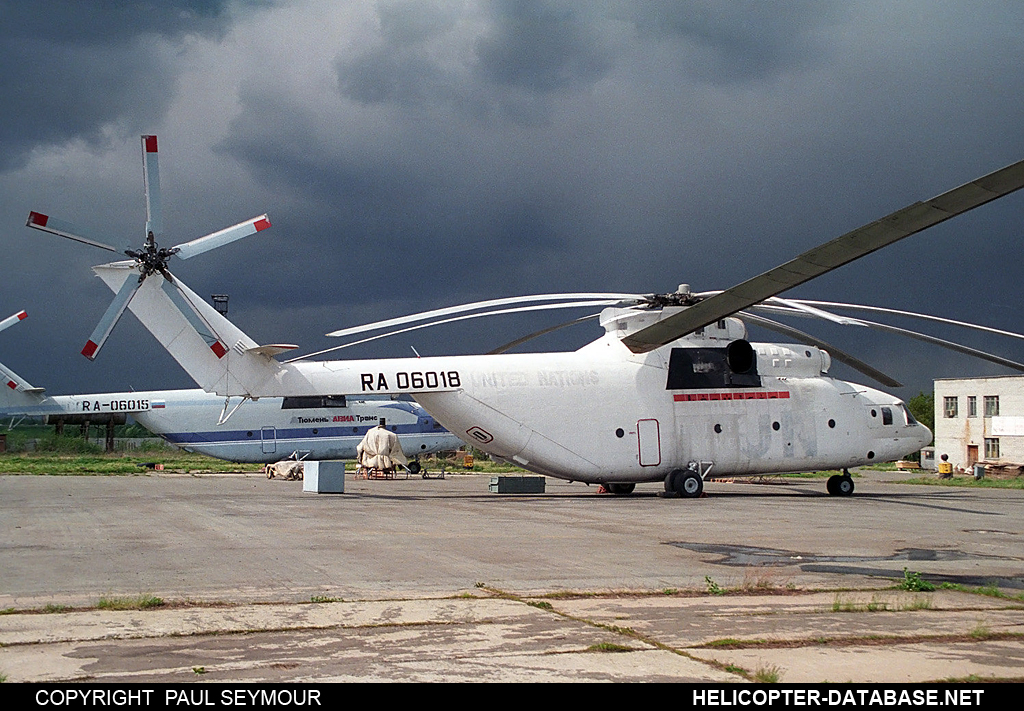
x=744 y=40
x=421 y=153
x=72 y=69
x=542 y=46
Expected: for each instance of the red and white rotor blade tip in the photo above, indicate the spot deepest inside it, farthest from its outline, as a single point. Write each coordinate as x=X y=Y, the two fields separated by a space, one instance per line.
x=11 y=320
x=45 y=223
x=151 y=177
x=110 y=317
x=225 y=236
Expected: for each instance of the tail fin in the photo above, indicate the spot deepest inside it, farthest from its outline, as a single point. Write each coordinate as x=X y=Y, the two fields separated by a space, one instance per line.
x=243 y=369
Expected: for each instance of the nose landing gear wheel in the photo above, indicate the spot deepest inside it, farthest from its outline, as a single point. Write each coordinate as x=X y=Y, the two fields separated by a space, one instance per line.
x=621 y=489
x=840 y=485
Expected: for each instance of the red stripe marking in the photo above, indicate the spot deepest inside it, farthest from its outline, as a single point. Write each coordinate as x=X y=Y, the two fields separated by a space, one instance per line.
x=261 y=224
x=218 y=349
x=12 y=385
x=756 y=395
x=90 y=350
x=38 y=218
x=22 y=316
x=150 y=142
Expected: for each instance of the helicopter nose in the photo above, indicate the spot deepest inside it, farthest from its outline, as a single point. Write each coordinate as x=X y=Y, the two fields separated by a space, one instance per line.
x=922 y=435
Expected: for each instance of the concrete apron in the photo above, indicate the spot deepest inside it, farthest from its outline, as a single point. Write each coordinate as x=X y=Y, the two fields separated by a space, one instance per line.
x=489 y=635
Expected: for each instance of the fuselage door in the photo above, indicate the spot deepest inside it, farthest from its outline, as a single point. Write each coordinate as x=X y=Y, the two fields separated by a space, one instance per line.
x=648 y=435
x=269 y=435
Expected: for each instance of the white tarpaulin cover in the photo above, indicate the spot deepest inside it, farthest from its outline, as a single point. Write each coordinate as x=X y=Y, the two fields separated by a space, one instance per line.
x=380 y=449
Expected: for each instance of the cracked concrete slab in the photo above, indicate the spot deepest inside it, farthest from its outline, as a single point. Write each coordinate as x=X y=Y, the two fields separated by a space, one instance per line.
x=442 y=581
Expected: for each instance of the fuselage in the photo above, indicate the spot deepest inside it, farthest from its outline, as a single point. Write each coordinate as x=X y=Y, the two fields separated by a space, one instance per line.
x=616 y=421
x=604 y=414
x=266 y=430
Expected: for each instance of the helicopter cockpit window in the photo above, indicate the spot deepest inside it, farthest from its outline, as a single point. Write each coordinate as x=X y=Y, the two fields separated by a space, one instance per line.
x=886 y=415
x=911 y=420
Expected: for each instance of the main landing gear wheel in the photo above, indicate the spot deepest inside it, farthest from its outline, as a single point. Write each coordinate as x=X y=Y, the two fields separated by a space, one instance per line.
x=685 y=483
x=621 y=489
x=414 y=467
x=840 y=485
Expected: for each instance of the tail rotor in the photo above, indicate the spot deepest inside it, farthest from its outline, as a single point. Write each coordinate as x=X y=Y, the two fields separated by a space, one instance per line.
x=151 y=259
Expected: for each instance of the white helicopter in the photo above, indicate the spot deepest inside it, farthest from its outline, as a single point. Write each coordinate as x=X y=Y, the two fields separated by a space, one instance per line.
x=672 y=391
x=316 y=428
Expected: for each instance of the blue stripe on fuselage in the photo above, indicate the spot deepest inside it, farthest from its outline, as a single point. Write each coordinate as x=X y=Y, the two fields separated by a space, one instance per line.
x=293 y=433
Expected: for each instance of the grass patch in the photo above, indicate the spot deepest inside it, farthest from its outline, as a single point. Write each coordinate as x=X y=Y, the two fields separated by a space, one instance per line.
x=609 y=647
x=540 y=604
x=913 y=582
x=733 y=669
x=53 y=463
x=713 y=587
x=732 y=643
x=130 y=602
x=981 y=631
x=969 y=482
x=325 y=598
x=840 y=604
x=918 y=603
x=986 y=590
x=770 y=674
x=52 y=607
x=8 y=611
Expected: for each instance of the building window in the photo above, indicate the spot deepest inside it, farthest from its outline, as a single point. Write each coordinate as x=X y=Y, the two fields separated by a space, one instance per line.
x=972 y=406
x=991 y=406
x=991 y=448
x=949 y=406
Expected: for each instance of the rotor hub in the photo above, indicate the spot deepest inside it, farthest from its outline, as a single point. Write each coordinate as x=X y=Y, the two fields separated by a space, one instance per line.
x=152 y=258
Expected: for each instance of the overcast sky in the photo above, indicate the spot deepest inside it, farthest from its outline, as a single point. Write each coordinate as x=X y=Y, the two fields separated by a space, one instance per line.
x=414 y=154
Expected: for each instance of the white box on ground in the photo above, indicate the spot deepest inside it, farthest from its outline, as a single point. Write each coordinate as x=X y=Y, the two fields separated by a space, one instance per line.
x=324 y=477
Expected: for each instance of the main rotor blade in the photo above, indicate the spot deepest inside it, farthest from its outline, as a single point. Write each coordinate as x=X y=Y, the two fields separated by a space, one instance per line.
x=195 y=319
x=967 y=350
x=151 y=177
x=111 y=317
x=835 y=353
x=910 y=314
x=45 y=223
x=11 y=320
x=498 y=312
x=536 y=334
x=447 y=311
x=225 y=236
x=831 y=255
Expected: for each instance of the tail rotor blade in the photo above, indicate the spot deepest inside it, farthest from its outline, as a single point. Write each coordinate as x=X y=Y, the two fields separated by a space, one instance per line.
x=225 y=236
x=151 y=176
x=111 y=317
x=192 y=315
x=11 y=320
x=45 y=223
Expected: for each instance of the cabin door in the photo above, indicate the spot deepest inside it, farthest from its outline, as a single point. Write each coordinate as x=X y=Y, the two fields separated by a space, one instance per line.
x=269 y=435
x=648 y=435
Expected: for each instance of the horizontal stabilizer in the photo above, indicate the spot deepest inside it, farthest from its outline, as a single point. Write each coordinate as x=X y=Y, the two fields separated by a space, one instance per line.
x=272 y=349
